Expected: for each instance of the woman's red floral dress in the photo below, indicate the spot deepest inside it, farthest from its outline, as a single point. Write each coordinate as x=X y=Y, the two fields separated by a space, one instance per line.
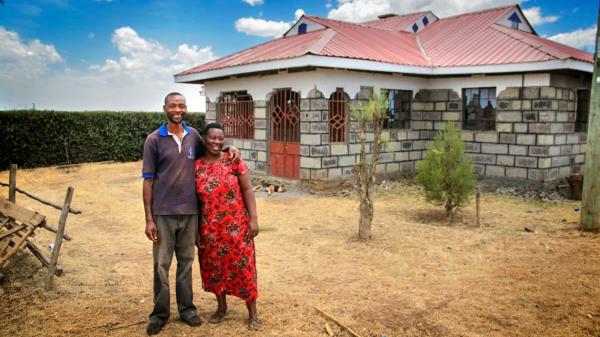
x=227 y=262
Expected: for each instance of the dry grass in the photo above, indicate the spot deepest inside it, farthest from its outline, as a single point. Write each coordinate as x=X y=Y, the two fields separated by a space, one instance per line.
x=418 y=276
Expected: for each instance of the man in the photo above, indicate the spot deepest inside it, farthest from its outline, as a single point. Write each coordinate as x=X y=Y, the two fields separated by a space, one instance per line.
x=171 y=208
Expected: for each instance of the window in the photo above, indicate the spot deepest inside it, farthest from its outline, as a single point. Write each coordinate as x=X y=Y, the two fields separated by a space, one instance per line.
x=398 y=112
x=583 y=110
x=514 y=20
x=302 y=28
x=425 y=21
x=235 y=112
x=479 y=109
x=415 y=27
x=338 y=107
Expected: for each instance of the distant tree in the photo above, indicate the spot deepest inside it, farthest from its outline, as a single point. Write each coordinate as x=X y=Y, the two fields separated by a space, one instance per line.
x=446 y=173
x=374 y=113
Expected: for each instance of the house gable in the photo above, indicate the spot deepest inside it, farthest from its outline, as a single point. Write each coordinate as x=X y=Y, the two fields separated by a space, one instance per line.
x=421 y=23
x=303 y=26
x=516 y=20
x=412 y=23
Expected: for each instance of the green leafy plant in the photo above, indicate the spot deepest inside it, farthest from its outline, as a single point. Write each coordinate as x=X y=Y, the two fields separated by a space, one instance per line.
x=446 y=173
x=37 y=138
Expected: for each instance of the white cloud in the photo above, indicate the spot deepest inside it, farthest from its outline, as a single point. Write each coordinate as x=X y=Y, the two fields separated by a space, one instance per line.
x=266 y=28
x=364 y=10
x=260 y=27
x=580 y=38
x=24 y=60
x=253 y=2
x=136 y=80
x=534 y=15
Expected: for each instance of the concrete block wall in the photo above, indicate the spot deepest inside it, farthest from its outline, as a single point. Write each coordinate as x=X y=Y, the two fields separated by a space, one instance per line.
x=535 y=135
x=323 y=160
x=534 y=139
x=254 y=151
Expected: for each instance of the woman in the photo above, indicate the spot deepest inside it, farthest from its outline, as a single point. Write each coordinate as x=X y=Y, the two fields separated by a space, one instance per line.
x=227 y=228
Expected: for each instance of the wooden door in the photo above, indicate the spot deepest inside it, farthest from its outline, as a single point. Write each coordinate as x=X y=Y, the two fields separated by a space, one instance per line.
x=284 y=147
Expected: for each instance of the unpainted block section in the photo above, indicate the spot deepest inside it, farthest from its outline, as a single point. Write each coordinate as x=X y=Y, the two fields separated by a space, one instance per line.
x=494 y=148
x=310 y=162
x=526 y=162
x=494 y=171
x=260 y=112
x=509 y=116
x=505 y=160
x=339 y=149
x=310 y=139
x=516 y=172
x=486 y=137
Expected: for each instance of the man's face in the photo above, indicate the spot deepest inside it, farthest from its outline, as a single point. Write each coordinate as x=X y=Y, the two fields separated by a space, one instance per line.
x=175 y=109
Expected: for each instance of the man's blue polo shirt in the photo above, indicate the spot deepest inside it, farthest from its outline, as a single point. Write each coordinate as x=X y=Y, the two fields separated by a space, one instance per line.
x=173 y=189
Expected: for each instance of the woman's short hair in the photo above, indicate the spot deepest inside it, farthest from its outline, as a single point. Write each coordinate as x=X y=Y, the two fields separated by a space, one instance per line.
x=212 y=125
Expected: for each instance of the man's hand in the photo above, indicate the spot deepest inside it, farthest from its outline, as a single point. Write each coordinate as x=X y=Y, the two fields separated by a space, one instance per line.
x=234 y=153
x=152 y=231
x=252 y=229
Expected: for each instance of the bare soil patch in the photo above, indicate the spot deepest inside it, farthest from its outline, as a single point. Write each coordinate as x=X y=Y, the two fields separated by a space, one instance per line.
x=418 y=276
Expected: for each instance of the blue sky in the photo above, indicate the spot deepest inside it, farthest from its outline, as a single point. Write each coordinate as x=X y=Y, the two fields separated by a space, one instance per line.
x=121 y=54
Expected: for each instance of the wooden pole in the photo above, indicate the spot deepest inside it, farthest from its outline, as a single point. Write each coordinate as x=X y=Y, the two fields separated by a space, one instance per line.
x=45 y=202
x=590 y=201
x=38 y=254
x=477 y=203
x=342 y=325
x=59 y=238
x=12 y=184
x=54 y=230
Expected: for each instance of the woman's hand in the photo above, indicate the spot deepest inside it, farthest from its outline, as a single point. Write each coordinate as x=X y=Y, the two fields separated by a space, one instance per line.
x=252 y=229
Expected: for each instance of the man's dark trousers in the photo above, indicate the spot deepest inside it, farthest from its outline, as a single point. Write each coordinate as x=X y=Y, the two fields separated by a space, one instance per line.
x=176 y=233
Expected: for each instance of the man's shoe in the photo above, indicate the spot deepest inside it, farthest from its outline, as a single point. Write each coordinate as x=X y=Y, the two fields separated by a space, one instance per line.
x=154 y=327
x=192 y=321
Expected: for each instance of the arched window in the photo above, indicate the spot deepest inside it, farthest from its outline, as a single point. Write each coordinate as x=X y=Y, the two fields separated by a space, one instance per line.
x=338 y=106
x=235 y=112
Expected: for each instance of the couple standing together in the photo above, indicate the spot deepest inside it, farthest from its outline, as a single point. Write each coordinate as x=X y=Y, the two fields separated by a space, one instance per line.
x=179 y=170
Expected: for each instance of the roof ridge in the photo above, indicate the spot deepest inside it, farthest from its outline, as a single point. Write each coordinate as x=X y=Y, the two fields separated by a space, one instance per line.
x=359 y=25
x=503 y=30
x=326 y=36
x=395 y=16
x=423 y=50
x=479 y=11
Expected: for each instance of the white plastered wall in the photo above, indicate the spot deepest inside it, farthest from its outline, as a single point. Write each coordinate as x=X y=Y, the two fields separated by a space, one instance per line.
x=327 y=80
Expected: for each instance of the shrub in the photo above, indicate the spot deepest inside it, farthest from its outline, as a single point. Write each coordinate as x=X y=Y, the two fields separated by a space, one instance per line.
x=446 y=172
x=37 y=138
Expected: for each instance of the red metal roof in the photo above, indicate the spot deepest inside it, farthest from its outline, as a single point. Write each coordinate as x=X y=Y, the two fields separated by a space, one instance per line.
x=471 y=39
x=476 y=39
x=363 y=42
x=395 y=23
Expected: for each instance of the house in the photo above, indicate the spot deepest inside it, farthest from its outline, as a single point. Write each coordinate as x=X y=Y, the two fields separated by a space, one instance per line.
x=521 y=100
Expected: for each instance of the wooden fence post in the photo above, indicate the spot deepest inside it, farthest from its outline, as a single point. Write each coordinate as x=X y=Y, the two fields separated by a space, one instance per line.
x=59 y=238
x=477 y=203
x=12 y=184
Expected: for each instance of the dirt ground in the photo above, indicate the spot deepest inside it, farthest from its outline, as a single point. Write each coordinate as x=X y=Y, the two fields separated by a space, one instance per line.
x=418 y=276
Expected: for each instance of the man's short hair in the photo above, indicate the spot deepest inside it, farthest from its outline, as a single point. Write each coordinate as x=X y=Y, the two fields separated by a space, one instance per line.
x=174 y=93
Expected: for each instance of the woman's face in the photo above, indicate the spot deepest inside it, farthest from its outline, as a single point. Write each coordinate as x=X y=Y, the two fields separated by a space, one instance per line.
x=214 y=141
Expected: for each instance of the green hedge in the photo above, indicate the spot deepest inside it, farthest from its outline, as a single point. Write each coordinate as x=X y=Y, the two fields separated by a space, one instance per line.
x=37 y=138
